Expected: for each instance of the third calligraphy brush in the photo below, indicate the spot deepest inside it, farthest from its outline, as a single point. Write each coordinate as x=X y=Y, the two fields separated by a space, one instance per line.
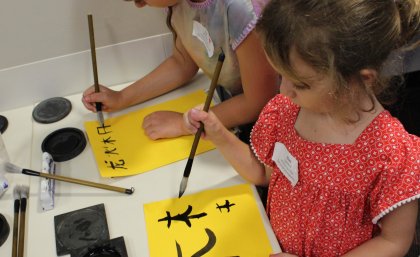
x=206 y=107
x=95 y=69
x=11 y=168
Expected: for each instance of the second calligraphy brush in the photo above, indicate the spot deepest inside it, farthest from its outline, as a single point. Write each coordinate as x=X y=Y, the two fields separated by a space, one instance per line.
x=24 y=192
x=206 y=107
x=9 y=167
x=95 y=69
x=16 y=196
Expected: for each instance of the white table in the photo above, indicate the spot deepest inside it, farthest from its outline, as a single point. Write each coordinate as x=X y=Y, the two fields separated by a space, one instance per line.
x=124 y=212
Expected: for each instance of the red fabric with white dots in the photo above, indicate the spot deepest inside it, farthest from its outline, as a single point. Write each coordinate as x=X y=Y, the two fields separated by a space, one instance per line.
x=343 y=189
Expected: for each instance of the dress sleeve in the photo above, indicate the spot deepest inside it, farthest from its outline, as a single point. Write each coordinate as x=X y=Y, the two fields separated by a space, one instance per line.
x=242 y=18
x=265 y=131
x=399 y=182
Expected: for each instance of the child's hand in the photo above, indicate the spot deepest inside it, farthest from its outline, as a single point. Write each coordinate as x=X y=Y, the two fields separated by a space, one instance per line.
x=164 y=124
x=213 y=128
x=139 y=3
x=108 y=97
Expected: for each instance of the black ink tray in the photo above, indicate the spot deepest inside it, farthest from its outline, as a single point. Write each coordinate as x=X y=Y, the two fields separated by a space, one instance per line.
x=80 y=229
x=112 y=248
x=64 y=144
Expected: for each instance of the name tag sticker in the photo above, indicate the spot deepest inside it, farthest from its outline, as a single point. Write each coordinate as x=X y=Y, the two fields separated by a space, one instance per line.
x=287 y=164
x=200 y=32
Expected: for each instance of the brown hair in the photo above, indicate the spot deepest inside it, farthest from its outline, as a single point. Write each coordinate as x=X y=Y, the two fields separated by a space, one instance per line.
x=339 y=38
x=169 y=23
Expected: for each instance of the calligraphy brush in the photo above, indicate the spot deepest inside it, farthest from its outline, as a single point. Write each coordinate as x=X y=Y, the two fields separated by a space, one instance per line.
x=24 y=191
x=9 y=167
x=95 y=69
x=206 y=107
x=16 y=196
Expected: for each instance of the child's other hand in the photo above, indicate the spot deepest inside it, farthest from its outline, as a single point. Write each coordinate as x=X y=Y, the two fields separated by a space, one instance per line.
x=164 y=124
x=108 y=97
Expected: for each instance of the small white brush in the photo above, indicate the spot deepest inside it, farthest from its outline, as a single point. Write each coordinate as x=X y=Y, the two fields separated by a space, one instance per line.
x=16 y=196
x=9 y=167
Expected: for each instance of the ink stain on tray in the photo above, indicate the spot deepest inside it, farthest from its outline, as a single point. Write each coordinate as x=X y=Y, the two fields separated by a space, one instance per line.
x=80 y=229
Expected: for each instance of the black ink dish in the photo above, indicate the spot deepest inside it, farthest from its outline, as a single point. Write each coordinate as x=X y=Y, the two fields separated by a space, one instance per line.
x=3 y=124
x=4 y=229
x=51 y=110
x=64 y=144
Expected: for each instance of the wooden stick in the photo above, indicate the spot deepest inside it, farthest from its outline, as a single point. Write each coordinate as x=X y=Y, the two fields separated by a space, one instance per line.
x=95 y=68
x=93 y=52
x=78 y=181
x=206 y=107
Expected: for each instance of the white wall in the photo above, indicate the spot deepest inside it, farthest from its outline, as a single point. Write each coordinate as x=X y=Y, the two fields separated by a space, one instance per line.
x=33 y=30
x=45 y=51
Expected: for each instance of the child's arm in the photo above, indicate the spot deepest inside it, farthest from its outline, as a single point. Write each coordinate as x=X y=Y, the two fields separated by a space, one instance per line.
x=237 y=153
x=170 y=74
x=260 y=83
x=397 y=231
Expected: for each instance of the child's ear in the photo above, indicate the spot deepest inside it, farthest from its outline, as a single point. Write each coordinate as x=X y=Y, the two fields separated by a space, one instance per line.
x=368 y=77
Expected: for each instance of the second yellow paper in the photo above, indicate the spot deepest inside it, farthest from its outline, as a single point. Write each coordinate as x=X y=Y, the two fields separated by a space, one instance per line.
x=223 y=222
x=121 y=147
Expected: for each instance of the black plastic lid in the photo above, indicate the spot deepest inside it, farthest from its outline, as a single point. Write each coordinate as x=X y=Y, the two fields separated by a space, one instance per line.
x=64 y=144
x=3 y=124
x=51 y=110
x=4 y=229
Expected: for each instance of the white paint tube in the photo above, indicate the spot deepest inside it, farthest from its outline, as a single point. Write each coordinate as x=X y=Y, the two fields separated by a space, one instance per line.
x=47 y=186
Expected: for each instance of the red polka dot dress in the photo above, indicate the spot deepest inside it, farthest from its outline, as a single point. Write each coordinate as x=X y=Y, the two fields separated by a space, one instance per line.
x=343 y=189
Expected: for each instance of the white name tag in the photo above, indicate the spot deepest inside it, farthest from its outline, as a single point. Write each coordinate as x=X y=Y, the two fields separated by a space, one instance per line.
x=287 y=164
x=200 y=32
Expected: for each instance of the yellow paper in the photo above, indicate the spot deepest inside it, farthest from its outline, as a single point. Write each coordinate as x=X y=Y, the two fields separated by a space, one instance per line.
x=214 y=231
x=121 y=147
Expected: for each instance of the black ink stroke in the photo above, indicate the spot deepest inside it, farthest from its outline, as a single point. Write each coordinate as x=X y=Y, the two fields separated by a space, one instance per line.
x=185 y=217
x=210 y=244
x=178 y=249
x=226 y=206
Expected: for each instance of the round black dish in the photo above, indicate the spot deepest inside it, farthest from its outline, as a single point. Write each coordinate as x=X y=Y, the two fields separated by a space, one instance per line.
x=51 y=110
x=64 y=144
x=4 y=229
x=3 y=124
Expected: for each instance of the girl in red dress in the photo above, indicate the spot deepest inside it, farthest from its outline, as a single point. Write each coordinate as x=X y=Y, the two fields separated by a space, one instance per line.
x=343 y=174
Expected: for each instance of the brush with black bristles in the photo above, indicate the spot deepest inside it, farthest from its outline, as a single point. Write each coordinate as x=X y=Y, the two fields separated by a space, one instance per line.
x=16 y=196
x=11 y=168
x=200 y=130
x=24 y=193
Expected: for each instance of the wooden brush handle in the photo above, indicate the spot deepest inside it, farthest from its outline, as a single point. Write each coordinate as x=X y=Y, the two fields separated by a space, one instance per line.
x=93 y=52
x=207 y=104
x=15 y=228
x=22 y=222
x=87 y=183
